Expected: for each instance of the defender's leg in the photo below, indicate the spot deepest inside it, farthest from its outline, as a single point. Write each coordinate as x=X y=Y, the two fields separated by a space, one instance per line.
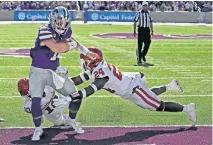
x=174 y=85
x=146 y=99
x=189 y=109
x=57 y=119
x=68 y=89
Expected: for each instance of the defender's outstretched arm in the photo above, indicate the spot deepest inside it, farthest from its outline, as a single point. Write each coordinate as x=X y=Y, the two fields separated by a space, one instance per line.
x=83 y=77
x=91 y=89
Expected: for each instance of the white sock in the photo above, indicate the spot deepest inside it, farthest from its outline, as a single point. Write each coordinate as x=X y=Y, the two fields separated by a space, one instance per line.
x=185 y=108
x=168 y=87
x=38 y=128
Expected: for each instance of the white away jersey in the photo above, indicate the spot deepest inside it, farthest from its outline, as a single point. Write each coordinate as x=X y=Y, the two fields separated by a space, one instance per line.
x=46 y=102
x=120 y=83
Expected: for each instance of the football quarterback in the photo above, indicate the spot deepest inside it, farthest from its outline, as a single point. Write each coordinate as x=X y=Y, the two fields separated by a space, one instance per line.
x=52 y=113
x=128 y=85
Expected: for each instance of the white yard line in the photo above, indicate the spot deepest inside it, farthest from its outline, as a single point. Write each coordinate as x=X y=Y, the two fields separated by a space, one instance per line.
x=113 y=96
x=114 y=126
x=121 y=50
x=190 y=72
x=150 y=78
x=163 y=66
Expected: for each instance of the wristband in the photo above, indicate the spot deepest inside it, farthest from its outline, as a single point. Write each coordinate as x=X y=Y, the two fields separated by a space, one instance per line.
x=72 y=45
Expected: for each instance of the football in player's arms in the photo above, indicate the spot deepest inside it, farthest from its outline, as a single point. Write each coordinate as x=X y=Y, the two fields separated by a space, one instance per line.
x=128 y=85
x=52 y=113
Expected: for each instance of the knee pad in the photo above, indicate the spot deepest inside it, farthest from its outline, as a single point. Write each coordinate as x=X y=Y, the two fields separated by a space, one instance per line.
x=161 y=107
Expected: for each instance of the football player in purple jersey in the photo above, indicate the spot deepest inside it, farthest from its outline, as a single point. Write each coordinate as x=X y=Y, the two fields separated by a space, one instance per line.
x=53 y=39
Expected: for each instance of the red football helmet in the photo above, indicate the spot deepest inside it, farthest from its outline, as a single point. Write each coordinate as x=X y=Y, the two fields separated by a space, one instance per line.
x=89 y=64
x=23 y=87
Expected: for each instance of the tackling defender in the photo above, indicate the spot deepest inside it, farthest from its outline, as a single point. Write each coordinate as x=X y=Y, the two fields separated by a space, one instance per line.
x=51 y=112
x=129 y=86
x=52 y=39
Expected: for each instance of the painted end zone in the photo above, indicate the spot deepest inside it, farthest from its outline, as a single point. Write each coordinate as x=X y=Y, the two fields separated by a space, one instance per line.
x=156 y=36
x=201 y=135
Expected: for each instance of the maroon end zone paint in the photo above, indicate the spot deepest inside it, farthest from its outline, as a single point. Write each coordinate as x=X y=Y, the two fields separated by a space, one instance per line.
x=156 y=36
x=26 y=51
x=15 y=52
x=113 y=135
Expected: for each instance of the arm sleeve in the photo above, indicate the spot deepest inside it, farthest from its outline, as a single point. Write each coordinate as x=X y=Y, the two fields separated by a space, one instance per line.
x=83 y=77
x=82 y=49
x=91 y=89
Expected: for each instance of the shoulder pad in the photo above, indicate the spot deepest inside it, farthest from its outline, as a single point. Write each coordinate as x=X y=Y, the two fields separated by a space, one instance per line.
x=45 y=33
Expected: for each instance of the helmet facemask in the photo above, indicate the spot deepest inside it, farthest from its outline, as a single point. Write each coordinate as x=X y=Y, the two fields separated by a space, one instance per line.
x=83 y=65
x=61 y=25
x=87 y=64
x=59 y=20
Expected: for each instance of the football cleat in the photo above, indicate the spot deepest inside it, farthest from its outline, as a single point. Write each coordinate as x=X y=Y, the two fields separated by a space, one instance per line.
x=75 y=125
x=191 y=112
x=139 y=63
x=144 y=58
x=37 y=134
x=175 y=85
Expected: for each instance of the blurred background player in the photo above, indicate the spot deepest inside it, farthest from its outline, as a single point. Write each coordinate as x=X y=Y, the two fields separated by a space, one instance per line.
x=52 y=39
x=52 y=113
x=130 y=86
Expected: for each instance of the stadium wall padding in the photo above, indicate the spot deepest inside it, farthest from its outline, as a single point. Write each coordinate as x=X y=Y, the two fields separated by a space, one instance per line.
x=110 y=16
x=7 y=16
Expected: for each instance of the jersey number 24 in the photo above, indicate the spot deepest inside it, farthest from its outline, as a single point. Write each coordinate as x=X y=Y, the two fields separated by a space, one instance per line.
x=116 y=72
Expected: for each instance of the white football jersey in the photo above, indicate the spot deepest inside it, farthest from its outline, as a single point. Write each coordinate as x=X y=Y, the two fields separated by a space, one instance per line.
x=46 y=102
x=120 y=83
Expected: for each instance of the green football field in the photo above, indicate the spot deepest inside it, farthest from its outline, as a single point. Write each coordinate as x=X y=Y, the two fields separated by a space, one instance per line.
x=187 y=60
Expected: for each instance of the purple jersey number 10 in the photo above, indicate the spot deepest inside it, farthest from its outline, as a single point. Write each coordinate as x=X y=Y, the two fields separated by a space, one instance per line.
x=55 y=56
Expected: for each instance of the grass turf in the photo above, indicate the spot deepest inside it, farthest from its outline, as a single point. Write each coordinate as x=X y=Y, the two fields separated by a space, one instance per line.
x=189 y=61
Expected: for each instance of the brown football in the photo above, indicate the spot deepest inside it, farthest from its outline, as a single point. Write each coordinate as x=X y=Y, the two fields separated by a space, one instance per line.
x=23 y=86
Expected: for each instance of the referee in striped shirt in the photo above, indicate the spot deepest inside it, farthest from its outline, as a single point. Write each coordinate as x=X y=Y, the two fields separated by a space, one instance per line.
x=145 y=31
